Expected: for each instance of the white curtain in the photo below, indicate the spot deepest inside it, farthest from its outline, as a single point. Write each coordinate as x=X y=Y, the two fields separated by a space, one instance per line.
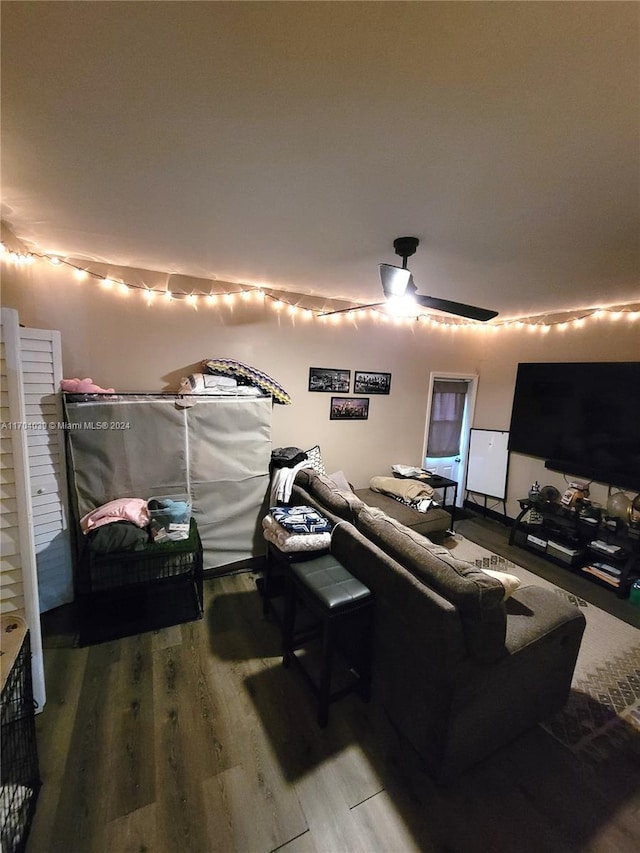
x=447 y=412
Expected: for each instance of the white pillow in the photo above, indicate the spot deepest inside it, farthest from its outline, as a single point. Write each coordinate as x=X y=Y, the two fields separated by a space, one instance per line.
x=509 y=582
x=341 y=481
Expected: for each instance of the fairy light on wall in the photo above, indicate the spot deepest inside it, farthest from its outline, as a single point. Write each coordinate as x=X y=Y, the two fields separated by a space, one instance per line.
x=575 y=320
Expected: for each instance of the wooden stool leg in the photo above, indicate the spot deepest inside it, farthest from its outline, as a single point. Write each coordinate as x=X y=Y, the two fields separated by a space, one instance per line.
x=324 y=687
x=289 y=621
x=364 y=685
x=266 y=577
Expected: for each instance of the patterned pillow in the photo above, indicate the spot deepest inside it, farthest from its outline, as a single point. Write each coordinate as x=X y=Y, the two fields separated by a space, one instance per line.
x=245 y=372
x=314 y=459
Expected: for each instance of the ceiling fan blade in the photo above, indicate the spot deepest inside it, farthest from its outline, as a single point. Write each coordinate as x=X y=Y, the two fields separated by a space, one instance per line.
x=459 y=308
x=357 y=308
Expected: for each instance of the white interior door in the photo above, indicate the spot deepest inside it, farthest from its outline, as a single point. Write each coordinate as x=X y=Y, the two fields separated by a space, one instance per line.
x=452 y=467
x=446 y=466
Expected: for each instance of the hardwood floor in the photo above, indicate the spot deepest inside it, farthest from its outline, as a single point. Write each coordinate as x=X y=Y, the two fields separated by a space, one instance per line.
x=195 y=739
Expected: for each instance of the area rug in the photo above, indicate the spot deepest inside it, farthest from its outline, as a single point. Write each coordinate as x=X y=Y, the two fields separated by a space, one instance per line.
x=602 y=715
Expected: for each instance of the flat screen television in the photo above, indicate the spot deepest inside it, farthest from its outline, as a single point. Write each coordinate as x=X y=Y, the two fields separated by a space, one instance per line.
x=582 y=418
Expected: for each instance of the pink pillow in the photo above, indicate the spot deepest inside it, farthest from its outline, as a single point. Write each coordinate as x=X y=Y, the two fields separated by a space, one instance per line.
x=122 y=509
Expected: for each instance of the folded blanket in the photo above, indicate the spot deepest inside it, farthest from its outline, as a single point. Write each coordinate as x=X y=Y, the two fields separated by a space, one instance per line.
x=300 y=519
x=410 y=490
x=288 y=542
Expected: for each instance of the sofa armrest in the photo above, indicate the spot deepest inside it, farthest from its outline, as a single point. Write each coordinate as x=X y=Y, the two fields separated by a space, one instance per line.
x=496 y=702
x=534 y=612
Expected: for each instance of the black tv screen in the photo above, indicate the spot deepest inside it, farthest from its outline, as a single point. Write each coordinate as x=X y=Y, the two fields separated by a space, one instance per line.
x=582 y=418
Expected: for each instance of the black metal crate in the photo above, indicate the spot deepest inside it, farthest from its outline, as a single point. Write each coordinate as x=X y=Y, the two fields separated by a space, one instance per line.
x=156 y=561
x=129 y=592
x=20 y=771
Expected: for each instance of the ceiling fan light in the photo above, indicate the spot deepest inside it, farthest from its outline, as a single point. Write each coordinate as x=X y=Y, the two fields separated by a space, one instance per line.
x=394 y=279
x=401 y=306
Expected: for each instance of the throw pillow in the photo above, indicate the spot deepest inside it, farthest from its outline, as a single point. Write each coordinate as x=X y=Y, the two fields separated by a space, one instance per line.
x=341 y=481
x=314 y=457
x=509 y=582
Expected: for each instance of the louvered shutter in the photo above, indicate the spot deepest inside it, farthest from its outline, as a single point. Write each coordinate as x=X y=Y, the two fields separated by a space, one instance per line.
x=18 y=574
x=41 y=374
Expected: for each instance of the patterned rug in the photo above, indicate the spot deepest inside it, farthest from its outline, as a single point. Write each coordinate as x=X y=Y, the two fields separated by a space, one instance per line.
x=602 y=715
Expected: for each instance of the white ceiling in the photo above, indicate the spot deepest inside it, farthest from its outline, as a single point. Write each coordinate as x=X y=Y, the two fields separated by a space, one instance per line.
x=288 y=144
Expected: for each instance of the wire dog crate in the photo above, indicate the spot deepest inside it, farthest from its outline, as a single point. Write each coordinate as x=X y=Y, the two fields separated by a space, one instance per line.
x=20 y=771
x=130 y=592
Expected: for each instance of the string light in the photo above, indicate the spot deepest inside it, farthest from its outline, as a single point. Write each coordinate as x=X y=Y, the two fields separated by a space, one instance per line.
x=540 y=323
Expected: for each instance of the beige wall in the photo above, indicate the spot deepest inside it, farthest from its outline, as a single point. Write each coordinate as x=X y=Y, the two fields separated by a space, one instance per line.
x=122 y=342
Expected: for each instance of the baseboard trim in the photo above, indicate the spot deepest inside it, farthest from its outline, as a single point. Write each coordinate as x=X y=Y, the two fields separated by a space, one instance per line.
x=251 y=564
x=487 y=512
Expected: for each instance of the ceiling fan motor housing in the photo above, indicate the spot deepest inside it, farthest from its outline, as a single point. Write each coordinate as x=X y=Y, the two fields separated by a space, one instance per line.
x=405 y=247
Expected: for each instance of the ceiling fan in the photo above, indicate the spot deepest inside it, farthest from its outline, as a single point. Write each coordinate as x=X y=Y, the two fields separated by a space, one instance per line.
x=397 y=282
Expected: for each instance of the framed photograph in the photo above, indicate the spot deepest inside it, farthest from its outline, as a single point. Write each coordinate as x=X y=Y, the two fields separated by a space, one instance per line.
x=329 y=379
x=367 y=382
x=349 y=409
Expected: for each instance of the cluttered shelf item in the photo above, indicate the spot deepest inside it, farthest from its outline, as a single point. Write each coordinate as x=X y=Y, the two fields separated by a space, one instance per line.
x=574 y=535
x=20 y=769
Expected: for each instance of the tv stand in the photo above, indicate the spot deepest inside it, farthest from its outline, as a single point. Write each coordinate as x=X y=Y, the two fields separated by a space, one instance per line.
x=608 y=557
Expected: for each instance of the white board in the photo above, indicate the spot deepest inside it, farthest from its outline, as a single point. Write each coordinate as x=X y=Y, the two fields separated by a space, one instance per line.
x=488 y=458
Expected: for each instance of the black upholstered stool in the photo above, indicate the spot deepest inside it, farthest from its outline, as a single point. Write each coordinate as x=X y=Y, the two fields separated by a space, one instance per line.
x=343 y=608
x=275 y=569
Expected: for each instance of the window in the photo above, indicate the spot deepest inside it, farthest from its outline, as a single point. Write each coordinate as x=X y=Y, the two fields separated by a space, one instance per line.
x=447 y=412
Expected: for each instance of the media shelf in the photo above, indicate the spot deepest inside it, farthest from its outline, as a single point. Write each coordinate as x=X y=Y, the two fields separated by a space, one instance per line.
x=610 y=558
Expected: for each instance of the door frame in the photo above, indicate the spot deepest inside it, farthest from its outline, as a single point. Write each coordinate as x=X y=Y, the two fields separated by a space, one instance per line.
x=465 y=432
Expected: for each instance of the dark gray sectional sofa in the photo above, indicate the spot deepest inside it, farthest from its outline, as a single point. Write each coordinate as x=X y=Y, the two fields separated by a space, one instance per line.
x=459 y=670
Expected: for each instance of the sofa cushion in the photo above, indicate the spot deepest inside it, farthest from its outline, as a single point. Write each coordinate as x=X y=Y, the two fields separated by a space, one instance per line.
x=477 y=596
x=432 y=523
x=344 y=504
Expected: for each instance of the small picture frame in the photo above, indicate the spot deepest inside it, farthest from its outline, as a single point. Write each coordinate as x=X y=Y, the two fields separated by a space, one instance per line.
x=329 y=379
x=349 y=409
x=371 y=382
